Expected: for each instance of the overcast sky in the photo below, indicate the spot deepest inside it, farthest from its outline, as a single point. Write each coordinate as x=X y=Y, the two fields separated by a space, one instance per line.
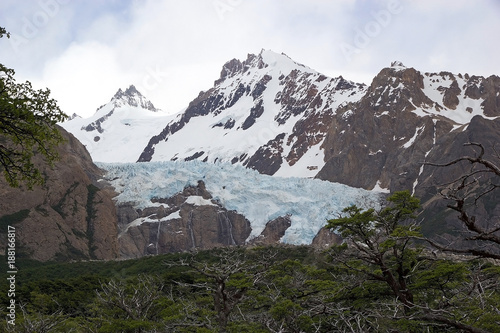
x=84 y=50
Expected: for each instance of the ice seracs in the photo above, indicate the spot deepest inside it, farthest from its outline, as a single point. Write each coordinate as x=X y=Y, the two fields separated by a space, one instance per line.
x=260 y=198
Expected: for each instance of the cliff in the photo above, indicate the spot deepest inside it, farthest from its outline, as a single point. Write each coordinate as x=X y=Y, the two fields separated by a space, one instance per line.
x=70 y=217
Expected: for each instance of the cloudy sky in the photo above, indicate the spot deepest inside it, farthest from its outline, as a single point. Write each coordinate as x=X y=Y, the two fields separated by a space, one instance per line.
x=84 y=50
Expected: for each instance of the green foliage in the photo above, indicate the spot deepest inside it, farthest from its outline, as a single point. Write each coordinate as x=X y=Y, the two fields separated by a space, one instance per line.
x=28 y=119
x=387 y=270
x=91 y=214
x=302 y=293
x=357 y=223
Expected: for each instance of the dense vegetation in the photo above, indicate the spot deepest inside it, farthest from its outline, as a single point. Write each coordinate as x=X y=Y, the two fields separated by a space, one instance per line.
x=272 y=289
x=379 y=280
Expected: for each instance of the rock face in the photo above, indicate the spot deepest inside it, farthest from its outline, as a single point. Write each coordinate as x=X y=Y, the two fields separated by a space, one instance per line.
x=273 y=231
x=325 y=238
x=72 y=216
x=404 y=119
x=188 y=220
x=192 y=219
x=437 y=219
x=384 y=137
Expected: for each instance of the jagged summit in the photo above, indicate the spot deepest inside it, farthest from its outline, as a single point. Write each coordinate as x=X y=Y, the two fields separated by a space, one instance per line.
x=266 y=59
x=132 y=97
x=280 y=60
x=130 y=91
x=73 y=116
x=398 y=65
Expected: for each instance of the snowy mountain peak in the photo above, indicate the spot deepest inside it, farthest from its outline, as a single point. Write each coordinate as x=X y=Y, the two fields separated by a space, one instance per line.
x=266 y=112
x=73 y=116
x=130 y=92
x=119 y=129
x=132 y=97
x=398 y=65
x=266 y=59
x=280 y=60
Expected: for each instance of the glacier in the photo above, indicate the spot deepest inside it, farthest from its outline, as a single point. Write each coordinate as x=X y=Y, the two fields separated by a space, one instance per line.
x=260 y=198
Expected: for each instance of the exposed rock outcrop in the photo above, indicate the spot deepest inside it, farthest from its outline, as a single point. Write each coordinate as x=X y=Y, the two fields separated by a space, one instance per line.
x=326 y=238
x=72 y=216
x=439 y=221
x=188 y=220
x=273 y=231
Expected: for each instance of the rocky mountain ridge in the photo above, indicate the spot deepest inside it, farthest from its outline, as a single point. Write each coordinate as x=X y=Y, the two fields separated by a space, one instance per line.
x=266 y=113
x=401 y=119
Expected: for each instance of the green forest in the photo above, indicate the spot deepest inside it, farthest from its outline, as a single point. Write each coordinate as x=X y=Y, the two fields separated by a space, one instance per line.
x=383 y=278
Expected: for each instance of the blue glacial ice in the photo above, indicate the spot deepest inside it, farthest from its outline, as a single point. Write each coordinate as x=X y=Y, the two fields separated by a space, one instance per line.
x=260 y=198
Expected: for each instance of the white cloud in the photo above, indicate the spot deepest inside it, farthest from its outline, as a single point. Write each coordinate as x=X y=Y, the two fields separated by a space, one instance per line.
x=84 y=77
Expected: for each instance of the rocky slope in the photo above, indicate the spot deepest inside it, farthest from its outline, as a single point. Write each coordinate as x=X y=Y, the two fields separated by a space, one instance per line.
x=439 y=221
x=405 y=118
x=70 y=217
x=383 y=138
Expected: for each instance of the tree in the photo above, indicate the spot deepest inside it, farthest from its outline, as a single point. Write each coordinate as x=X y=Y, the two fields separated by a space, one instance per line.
x=393 y=279
x=134 y=305
x=465 y=191
x=382 y=242
x=294 y=297
x=28 y=127
x=227 y=278
x=36 y=322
